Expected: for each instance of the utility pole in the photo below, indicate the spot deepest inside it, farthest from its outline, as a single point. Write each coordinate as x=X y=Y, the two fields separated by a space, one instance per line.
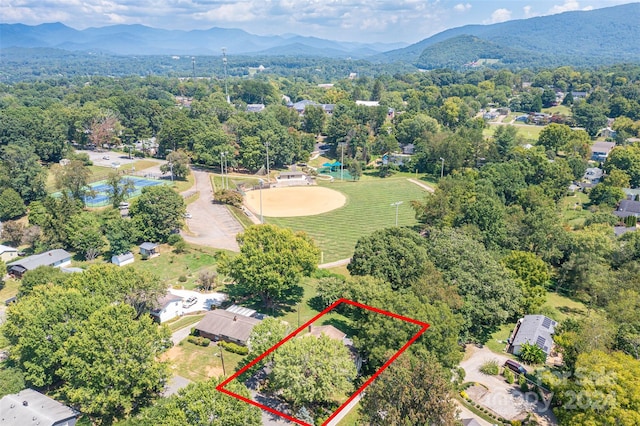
x=266 y=144
x=224 y=65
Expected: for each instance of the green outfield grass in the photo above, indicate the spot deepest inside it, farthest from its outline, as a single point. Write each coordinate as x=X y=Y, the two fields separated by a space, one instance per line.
x=368 y=209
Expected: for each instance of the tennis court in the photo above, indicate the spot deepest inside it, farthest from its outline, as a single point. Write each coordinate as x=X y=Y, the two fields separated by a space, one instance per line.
x=101 y=189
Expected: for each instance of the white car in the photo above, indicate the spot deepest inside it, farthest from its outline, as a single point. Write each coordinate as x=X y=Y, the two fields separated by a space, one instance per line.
x=105 y=157
x=188 y=215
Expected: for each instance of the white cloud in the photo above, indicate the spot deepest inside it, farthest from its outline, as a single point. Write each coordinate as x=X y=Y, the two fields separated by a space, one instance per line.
x=499 y=15
x=460 y=7
x=566 y=7
x=528 y=13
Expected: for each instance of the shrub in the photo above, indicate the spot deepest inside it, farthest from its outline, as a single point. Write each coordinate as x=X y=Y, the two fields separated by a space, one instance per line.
x=228 y=196
x=180 y=247
x=200 y=341
x=182 y=279
x=508 y=376
x=522 y=381
x=174 y=238
x=232 y=347
x=464 y=395
x=490 y=368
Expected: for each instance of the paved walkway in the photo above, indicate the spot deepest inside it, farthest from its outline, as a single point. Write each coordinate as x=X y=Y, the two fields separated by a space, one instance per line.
x=210 y=224
x=330 y=265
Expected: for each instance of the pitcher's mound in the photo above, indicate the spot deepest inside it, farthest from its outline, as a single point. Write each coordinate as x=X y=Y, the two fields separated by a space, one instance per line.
x=294 y=201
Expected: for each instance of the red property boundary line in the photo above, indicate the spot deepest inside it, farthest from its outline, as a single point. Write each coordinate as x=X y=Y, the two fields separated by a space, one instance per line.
x=424 y=325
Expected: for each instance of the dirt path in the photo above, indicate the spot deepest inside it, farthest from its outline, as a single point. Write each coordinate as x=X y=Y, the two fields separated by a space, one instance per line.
x=210 y=224
x=422 y=185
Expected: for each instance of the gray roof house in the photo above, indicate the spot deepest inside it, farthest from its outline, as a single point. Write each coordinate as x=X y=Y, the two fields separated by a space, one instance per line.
x=58 y=258
x=628 y=208
x=224 y=325
x=29 y=407
x=600 y=150
x=532 y=329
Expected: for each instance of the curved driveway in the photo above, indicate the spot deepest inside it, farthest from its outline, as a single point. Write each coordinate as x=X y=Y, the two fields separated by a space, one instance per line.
x=210 y=224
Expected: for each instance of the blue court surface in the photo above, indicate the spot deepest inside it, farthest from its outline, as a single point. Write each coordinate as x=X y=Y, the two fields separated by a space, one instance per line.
x=101 y=197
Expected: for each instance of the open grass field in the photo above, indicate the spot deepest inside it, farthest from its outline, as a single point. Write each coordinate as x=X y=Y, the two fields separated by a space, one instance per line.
x=198 y=363
x=573 y=210
x=367 y=209
x=559 y=109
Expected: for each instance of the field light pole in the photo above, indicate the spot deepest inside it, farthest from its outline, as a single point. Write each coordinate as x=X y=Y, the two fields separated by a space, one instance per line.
x=261 y=217
x=222 y=168
x=266 y=144
x=226 y=167
x=442 y=168
x=396 y=204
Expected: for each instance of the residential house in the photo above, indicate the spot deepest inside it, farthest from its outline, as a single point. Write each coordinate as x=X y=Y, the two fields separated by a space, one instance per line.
x=335 y=334
x=628 y=208
x=223 y=325
x=29 y=407
x=535 y=330
x=300 y=106
x=368 y=103
x=8 y=253
x=608 y=132
x=408 y=149
x=255 y=107
x=593 y=175
x=149 y=250
x=58 y=258
x=600 y=150
x=168 y=308
x=122 y=259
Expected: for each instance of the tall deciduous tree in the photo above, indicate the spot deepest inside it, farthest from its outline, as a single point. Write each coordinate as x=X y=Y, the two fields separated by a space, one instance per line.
x=201 y=404
x=11 y=205
x=157 y=212
x=412 y=391
x=271 y=261
x=73 y=178
x=20 y=170
x=110 y=364
x=85 y=236
x=118 y=188
x=308 y=370
x=177 y=164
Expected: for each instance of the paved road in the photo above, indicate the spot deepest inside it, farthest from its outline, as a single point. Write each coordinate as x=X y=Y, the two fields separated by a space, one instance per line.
x=211 y=224
x=422 y=185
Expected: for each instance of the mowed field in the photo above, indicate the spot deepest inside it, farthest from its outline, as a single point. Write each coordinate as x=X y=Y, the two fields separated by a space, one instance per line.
x=368 y=208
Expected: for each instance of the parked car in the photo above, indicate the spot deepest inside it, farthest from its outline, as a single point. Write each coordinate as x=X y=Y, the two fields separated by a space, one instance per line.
x=515 y=367
x=105 y=157
x=124 y=205
x=188 y=215
x=189 y=302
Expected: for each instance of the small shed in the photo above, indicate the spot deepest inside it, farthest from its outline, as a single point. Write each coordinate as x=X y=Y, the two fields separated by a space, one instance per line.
x=149 y=250
x=7 y=253
x=122 y=259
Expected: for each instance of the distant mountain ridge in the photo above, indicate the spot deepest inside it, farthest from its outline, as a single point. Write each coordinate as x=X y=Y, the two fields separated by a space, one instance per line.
x=143 y=40
x=602 y=35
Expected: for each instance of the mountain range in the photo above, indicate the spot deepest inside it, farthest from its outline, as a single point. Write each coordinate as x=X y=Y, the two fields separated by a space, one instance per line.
x=601 y=36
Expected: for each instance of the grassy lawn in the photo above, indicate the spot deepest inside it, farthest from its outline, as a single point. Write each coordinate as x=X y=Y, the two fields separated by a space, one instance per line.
x=184 y=322
x=9 y=290
x=498 y=340
x=563 y=307
x=170 y=266
x=184 y=185
x=530 y=132
x=200 y=363
x=368 y=208
x=573 y=212
x=234 y=180
x=240 y=216
x=560 y=109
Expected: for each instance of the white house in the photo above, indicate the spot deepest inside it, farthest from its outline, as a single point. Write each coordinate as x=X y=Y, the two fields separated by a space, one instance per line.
x=169 y=307
x=122 y=259
x=8 y=253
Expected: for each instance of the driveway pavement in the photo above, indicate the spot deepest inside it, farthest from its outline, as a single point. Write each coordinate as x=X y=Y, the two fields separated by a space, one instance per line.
x=204 y=300
x=210 y=224
x=502 y=398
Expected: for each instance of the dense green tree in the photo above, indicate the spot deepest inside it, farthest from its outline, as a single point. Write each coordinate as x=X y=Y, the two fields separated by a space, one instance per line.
x=506 y=138
x=85 y=236
x=38 y=326
x=626 y=159
x=411 y=391
x=314 y=119
x=200 y=404
x=42 y=275
x=118 y=188
x=490 y=295
x=110 y=366
x=396 y=255
x=271 y=261
x=157 y=213
x=73 y=178
x=592 y=117
x=533 y=276
x=20 y=170
x=554 y=136
x=308 y=370
x=265 y=335
x=606 y=195
x=120 y=234
x=177 y=165
x=11 y=205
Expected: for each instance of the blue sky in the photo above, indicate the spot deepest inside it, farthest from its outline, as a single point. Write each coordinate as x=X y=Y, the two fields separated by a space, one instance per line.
x=350 y=20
